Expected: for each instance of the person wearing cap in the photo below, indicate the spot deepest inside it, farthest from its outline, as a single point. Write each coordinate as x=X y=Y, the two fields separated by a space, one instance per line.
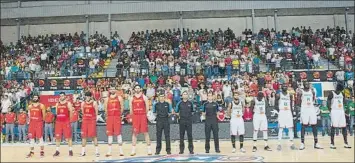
x=162 y=110
x=21 y=121
x=48 y=125
x=184 y=110
x=210 y=110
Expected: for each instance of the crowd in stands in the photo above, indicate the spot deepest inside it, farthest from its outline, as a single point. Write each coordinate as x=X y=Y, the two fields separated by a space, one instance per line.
x=197 y=61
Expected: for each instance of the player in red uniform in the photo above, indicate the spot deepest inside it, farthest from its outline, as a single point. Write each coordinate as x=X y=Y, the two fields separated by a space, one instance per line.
x=139 y=109
x=113 y=108
x=36 y=114
x=64 y=110
x=88 y=126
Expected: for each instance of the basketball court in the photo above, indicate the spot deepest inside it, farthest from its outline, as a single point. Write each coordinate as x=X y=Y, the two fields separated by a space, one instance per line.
x=17 y=153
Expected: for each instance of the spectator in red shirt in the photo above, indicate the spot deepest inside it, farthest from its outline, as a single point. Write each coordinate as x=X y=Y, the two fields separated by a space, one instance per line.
x=194 y=83
x=10 y=119
x=22 y=120
x=48 y=126
x=216 y=86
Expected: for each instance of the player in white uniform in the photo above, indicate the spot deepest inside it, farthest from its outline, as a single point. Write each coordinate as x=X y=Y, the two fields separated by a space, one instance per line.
x=260 y=120
x=284 y=106
x=235 y=110
x=308 y=114
x=336 y=102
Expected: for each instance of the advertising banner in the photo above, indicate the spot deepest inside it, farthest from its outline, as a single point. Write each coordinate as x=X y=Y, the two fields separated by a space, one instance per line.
x=51 y=100
x=316 y=76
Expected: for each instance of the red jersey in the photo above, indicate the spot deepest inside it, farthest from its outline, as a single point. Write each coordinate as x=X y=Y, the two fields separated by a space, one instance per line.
x=89 y=111
x=138 y=105
x=10 y=117
x=75 y=116
x=49 y=117
x=63 y=112
x=194 y=83
x=77 y=105
x=248 y=114
x=36 y=112
x=97 y=95
x=113 y=107
x=22 y=118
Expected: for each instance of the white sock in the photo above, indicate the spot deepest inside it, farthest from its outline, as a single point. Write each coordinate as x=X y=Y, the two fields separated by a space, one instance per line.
x=290 y=133
x=82 y=150
x=97 y=149
x=280 y=134
x=109 y=149
x=120 y=148
x=255 y=135
x=70 y=148
x=57 y=148
x=265 y=143
x=265 y=135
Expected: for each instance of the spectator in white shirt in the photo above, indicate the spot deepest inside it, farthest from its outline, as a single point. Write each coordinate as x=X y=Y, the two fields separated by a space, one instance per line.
x=5 y=104
x=316 y=59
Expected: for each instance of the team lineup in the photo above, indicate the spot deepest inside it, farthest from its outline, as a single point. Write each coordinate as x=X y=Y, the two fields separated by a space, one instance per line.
x=163 y=109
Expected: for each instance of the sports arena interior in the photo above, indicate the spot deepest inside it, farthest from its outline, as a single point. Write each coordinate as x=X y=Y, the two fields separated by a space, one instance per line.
x=223 y=81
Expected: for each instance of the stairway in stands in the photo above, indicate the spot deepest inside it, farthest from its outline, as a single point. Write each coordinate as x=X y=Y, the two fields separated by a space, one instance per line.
x=111 y=69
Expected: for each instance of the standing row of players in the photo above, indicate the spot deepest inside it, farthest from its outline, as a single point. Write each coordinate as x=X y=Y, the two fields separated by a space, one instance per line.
x=163 y=109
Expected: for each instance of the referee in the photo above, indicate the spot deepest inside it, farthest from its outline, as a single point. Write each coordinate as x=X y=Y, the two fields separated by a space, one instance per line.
x=162 y=109
x=184 y=109
x=210 y=109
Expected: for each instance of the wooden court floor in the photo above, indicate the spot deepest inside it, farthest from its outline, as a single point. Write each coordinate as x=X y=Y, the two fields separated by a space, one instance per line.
x=17 y=152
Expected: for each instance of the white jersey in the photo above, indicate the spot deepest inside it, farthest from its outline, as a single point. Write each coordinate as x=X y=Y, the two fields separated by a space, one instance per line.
x=307 y=99
x=285 y=102
x=337 y=101
x=260 y=106
x=237 y=109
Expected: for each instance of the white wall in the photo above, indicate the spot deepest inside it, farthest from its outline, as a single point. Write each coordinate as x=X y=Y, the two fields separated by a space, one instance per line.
x=125 y=28
x=8 y=34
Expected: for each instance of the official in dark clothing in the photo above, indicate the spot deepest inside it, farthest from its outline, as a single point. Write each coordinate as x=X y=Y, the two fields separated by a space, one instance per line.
x=162 y=109
x=209 y=110
x=184 y=109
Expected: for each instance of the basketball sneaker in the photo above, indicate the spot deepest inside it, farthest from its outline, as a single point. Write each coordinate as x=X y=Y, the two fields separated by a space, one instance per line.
x=317 y=146
x=267 y=148
x=70 y=153
x=83 y=154
x=97 y=154
x=56 y=154
x=347 y=146
x=121 y=152
x=133 y=153
x=255 y=149
x=108 y=155
x=30 y=155
x=293 y=147
x=234 y=150
x=332 y=146
x=242 y=150
x=41 y=154
x=279 y=147
x=302 y=147
x=150 y=151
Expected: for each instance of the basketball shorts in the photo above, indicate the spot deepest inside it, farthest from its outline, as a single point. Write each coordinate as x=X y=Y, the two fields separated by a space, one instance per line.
x=237 y=126
x=62 y=128
x=285 y=119
x=308 y=116
x=338 y=118
x=260 y=122
x=35 y=130
x=139 y=124
x=113 y=125
x=88 y=128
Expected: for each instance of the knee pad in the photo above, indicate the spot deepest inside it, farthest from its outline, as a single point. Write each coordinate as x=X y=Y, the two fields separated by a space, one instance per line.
x=119 y=139
x=110 y=140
